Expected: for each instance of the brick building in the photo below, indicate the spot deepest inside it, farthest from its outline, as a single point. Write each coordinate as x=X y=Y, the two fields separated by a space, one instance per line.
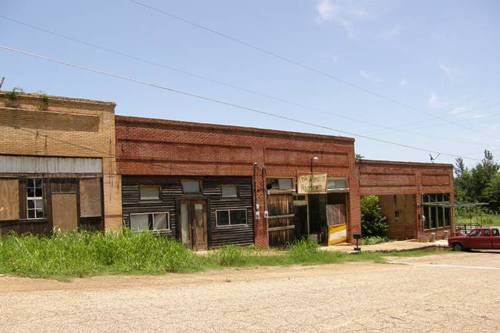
x=57 y=164
x=206 y=185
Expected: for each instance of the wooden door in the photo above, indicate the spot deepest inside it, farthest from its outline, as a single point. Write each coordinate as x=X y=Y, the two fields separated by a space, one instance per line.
x=281 y=219
x=199 y=224
x=64 y=212
x=336 y=214
x=193 y=223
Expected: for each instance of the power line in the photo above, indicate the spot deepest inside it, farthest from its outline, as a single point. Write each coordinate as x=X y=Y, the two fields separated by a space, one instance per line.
x=250 y=91
x=294 y=62
x=221 y=102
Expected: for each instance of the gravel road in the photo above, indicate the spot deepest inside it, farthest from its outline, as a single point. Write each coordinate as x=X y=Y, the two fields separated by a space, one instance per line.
x=452 y=292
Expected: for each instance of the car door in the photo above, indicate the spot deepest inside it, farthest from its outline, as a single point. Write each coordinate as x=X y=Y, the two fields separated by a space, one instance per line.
x=495 y=238
x=471 y=240
x=484 y=240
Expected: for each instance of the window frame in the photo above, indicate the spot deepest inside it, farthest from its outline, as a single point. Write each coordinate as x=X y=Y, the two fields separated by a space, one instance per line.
x=150 y=186
x=200 y=188
x=436 y=217
x=151 y=221
x=236 y=187
x=292 y=189
x=34 y=199
x=229 y=218
x=340 y=189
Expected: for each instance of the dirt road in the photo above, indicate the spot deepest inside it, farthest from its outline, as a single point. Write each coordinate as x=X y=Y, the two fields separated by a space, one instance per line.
x=452 y=292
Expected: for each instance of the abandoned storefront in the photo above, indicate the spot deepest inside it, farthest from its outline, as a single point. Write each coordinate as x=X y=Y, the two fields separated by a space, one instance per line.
x=57 y=165
x=316 y=209
x=415 y=197
x=63 y=162
x=41 y=194
x=212 y=185
x=201 y=212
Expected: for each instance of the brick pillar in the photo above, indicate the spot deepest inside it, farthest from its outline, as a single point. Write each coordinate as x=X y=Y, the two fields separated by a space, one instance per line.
x=261 y=235
x=354 y=214
x=419 y=211
x=112 y=186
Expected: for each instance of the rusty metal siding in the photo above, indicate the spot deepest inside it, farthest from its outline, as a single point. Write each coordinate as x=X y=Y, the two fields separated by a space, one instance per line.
x=44 y=165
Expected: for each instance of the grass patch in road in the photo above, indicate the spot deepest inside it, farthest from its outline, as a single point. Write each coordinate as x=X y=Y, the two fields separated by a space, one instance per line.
x=65 y=256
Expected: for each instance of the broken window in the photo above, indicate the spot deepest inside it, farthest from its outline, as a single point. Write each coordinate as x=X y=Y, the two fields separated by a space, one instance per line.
x=282 y=184
x=437 y=210
x=34 y=196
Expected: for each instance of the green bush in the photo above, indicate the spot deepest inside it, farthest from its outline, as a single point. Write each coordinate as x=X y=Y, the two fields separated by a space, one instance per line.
x=373 y=223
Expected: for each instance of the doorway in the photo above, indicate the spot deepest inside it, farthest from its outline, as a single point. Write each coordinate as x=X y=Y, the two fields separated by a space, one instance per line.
x=193 y=223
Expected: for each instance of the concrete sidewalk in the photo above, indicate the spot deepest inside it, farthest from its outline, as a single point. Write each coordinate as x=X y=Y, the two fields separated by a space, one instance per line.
x=394 y=246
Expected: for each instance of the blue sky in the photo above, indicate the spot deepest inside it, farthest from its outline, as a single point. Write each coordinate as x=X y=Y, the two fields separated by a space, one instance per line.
x=437 y=58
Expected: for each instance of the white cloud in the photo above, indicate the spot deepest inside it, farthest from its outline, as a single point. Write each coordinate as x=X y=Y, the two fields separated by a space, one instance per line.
x=390 y=33
x=341 y=12
x=370 y=77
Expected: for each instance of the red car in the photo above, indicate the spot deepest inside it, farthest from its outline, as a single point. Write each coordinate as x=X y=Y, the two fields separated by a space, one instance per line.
x=479 y=238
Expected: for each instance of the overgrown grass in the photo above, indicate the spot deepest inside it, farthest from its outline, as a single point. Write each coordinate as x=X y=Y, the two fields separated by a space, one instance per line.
x=65 y=256
x=84 y=254
x=374 y=240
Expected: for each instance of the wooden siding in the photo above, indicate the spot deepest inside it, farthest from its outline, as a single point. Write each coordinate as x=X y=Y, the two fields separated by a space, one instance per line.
x=171 y=192
x=44 y=225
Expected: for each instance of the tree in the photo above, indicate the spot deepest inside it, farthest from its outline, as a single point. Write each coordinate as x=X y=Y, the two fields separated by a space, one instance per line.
x=373 y=223
x=479 y=184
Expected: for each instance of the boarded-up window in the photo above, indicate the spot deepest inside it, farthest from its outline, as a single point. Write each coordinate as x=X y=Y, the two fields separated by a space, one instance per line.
x=190 y=186
x=229 y=191
x=150 y=192
x=9 y=199
x=90 y=197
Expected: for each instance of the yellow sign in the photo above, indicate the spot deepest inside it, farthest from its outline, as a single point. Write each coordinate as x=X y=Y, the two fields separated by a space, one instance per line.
x=337 y=234
x=312 y=184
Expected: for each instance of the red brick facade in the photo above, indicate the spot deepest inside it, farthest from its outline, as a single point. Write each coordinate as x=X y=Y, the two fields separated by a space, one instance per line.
x=172 y=148
x=160 y=147
x=403 y=180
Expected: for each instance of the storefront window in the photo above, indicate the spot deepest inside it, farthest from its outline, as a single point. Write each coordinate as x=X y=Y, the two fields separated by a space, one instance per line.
x=437 y=211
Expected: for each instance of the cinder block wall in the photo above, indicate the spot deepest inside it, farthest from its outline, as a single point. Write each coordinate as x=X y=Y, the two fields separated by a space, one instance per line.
x=39 y=125
x=161 y=147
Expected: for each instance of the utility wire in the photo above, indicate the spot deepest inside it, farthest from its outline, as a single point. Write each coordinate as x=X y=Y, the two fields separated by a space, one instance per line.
x=250 y=91
x=221 y=102
x=296 y=63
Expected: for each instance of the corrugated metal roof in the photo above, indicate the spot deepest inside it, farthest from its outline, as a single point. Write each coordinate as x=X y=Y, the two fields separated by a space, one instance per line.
x=32 y=164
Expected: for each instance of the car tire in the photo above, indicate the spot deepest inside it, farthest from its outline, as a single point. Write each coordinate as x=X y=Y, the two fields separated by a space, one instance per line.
x=457 y=247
